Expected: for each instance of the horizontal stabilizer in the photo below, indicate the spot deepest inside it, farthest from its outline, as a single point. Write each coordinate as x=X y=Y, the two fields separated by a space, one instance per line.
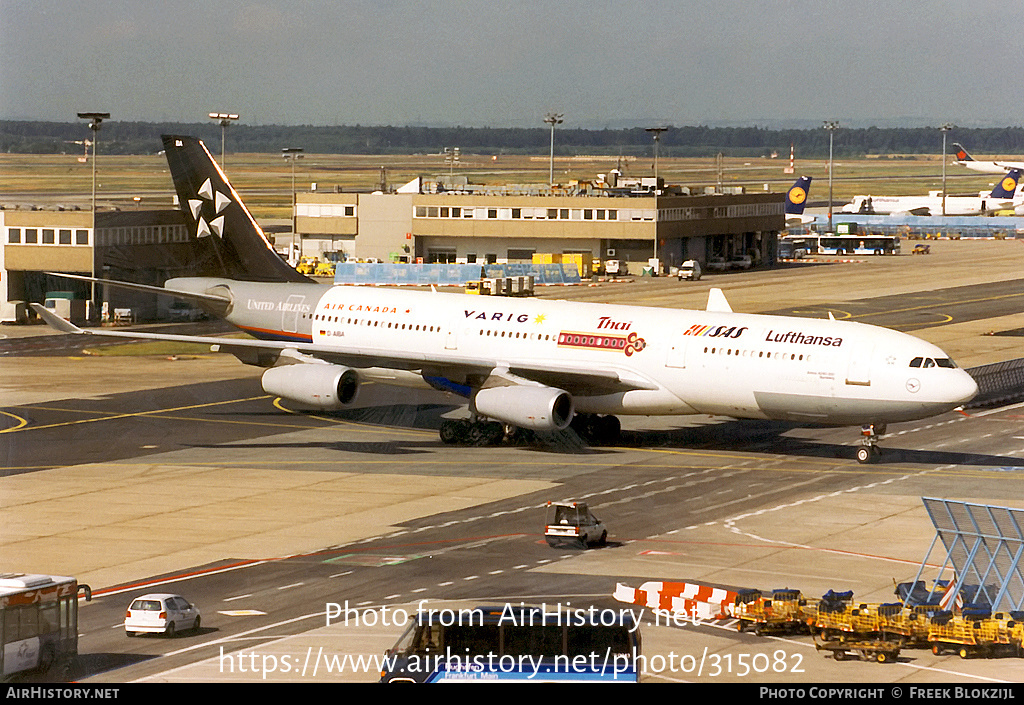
x=717 y=302
x=54 y=321
x=190 y=295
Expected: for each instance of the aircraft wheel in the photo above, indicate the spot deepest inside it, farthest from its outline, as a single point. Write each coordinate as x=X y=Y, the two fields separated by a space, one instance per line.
x=454 y=431
x=865 y=454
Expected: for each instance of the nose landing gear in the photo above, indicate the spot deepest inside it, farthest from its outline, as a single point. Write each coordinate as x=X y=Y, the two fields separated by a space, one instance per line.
x=869 y=452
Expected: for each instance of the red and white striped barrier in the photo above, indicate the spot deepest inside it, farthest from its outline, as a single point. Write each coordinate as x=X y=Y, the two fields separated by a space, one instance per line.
x=692 y=600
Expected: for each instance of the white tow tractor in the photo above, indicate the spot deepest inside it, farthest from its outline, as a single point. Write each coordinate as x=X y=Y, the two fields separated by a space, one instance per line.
x=572 y=524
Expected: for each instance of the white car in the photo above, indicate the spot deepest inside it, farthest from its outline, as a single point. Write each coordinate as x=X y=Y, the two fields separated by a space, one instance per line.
x=161 y=613
x=571 y=523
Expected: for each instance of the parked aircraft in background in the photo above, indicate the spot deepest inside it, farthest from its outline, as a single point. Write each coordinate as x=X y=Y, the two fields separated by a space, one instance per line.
x=539 y=364
x=796 y=201
x=1002 y=197
x=988 y=167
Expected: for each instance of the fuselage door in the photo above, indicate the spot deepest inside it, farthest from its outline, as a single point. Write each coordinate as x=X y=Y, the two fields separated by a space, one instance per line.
x=290 y=314
x=676 y=350
x=858 y=371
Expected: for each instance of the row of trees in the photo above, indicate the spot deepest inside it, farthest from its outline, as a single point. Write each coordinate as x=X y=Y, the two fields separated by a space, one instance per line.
x=689 y=141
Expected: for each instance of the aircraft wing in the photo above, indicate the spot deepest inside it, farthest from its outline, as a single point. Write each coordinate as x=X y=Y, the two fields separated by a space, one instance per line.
x=265 y=352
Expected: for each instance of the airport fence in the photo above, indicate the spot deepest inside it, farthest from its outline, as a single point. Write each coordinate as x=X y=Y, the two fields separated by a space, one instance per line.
x=998 y=383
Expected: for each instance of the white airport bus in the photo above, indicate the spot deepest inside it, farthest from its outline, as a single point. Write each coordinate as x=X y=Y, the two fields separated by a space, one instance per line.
x=38 y=621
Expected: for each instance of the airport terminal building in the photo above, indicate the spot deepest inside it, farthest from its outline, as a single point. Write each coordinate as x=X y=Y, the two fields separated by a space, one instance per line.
x=417 y=223
x=440 y=226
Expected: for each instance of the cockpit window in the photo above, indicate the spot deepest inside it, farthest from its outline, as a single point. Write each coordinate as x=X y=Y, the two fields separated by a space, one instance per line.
x=929 y=362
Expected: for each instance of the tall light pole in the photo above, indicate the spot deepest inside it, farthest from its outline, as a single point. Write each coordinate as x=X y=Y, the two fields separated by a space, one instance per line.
x=656 y=133
x=291 y=154
x=451 y=158
x=831 y=126
x=944 y=129
x=552 y=119
x=224 y=119
x=95 y=121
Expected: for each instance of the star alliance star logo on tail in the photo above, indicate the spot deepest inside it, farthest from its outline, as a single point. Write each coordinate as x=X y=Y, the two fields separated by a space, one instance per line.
x=208 y=198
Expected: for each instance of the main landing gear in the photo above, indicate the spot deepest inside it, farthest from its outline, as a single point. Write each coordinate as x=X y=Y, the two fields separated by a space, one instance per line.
x=596 y=429
x=466 y=432
x=869 y=452
x=478 y=431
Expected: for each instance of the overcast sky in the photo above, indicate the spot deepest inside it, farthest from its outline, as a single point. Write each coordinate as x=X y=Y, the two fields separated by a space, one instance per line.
x=495 y=63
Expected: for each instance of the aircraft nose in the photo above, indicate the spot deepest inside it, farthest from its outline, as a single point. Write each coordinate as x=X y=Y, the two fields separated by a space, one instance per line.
x=963 y=388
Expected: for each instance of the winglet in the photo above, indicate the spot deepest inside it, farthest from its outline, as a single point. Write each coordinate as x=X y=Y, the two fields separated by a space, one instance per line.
x=55 y=321
x=717 y=302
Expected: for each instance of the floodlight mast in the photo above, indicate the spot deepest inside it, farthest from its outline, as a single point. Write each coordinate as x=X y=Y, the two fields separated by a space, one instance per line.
x=224 y=119
x=831 y=126
x=656 y=133
x=552 y=119
x=291 y=154
x=95 y=121
x=944 y=129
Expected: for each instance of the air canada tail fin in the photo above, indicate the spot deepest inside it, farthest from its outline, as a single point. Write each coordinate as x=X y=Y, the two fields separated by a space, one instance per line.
x=796 y=197
x=229 y=241
x=961 y=153
x=1007 y=186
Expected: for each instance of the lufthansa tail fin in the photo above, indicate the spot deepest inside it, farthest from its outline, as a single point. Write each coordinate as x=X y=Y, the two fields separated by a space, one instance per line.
x=796 y=197
x=961 y=153
x=229 y=243
x=1008 y=185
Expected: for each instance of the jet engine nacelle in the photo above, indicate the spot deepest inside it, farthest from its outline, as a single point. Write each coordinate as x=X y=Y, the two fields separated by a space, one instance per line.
x=536 y=408
x=322 y=386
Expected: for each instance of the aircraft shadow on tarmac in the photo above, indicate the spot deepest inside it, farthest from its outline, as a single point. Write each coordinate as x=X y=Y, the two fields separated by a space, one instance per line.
x=749 y=436
x=769 y=437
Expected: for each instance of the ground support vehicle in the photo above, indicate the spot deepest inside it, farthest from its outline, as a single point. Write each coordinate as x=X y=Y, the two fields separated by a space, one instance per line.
x=324 y=269
x=689 y=270
x=921 y=250
x=976 y=632
x=909 y=624
x=782 y=611
x=881 y=651
x=571 y=523
x=307 y=265
x=834 y=616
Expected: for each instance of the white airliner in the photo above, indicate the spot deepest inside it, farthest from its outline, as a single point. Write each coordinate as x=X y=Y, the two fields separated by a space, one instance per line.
x=1002 y=197
x=540 y=364
x=989 y=167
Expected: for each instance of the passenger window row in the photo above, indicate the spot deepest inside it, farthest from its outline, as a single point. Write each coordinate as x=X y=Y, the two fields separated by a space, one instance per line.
x=757 y=354
x=376 y=324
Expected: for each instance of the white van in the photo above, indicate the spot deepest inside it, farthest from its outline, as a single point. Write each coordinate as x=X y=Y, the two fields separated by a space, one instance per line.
x=690 y=269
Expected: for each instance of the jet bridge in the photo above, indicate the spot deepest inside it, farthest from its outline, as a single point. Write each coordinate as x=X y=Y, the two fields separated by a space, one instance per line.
x=984 y=547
